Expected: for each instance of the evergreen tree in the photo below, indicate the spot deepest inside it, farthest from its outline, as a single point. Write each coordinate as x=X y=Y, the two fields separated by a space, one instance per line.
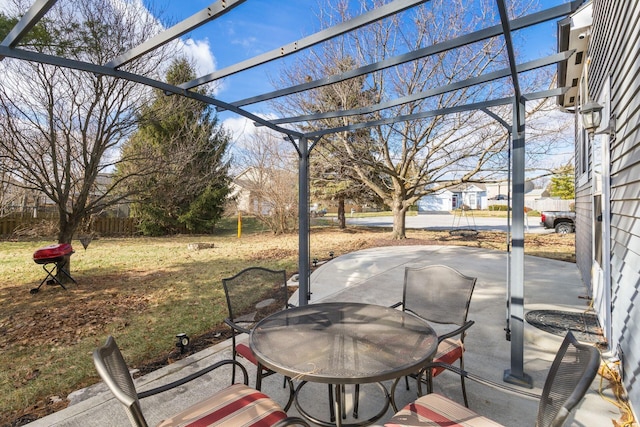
x=180 y=152
x=562 y=184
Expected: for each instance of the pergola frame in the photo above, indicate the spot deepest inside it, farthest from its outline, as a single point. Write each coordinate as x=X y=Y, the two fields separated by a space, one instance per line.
x=304 y=142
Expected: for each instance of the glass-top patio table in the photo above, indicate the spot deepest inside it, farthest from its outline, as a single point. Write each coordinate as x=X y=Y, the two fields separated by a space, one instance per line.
x=344 y=343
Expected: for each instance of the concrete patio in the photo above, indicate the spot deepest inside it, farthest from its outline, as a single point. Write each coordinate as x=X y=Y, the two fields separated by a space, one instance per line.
x=376 y=276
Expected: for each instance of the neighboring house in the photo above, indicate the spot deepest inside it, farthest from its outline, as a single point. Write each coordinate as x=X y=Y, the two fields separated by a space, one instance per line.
x=604 y=69
x=481 y=196
x=14 y=198
x=244 y=191
x=265 y=192
x=497 y=190
x=473 y=196
x=440 y=201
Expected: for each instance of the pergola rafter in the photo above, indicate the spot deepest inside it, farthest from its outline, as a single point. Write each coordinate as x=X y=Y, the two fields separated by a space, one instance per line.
x=304 y=142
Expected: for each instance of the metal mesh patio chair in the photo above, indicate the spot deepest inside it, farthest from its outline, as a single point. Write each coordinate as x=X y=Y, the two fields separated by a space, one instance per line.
x=235 y=405
x=440 y=294
x=572 y=371
x=253 y=294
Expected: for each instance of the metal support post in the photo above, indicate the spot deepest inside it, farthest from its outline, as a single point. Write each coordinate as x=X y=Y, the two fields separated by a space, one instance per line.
x=516 y=374
x=304 y=279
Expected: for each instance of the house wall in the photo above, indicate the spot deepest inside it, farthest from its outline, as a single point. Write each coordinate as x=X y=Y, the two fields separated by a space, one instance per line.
x=583 y=201
x=435 y=203
x=615 y=52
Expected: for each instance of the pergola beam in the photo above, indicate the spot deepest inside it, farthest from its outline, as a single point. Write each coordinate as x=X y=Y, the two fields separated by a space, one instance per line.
x=415 y=116
x=319 y=37
x=213 y=11
x=506 y=30
x=496 y=30
x=42 y=58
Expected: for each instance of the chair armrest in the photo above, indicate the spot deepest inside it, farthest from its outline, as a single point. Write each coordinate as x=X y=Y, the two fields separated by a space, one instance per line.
x=455 y=332
x=236 y=327
x=193 y=376
x=292 y=421
x=479 y=379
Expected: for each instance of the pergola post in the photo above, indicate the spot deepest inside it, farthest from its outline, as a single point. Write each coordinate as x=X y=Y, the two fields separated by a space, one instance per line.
x=516 y=374
x=304 y=289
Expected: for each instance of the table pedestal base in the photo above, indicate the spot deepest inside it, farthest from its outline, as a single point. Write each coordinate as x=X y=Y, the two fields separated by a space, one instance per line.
x=338 y=403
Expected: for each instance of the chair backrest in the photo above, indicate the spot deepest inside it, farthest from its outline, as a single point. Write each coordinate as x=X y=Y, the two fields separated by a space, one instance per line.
x=572 y=371
x=254 y=293
x=114 y=372
x=438 y=293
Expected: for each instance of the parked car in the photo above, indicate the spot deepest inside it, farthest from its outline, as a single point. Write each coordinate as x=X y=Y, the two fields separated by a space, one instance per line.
x=315 y=210
x=562 y=221
x=499 y=197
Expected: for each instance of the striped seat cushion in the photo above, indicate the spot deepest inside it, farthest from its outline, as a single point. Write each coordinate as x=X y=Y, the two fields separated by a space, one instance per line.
x=245 y=351
x=448 y=351
x=237 y=405
x=437 y=411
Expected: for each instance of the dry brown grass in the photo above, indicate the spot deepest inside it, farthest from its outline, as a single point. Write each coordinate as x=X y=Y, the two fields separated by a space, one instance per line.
x=144 y=291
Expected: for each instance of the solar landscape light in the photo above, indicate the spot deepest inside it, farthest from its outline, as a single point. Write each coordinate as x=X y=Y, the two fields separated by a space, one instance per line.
x=183 y=341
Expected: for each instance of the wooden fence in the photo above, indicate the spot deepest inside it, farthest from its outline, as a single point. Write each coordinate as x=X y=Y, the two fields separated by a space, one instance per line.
x=101 y=226
x=541 y=204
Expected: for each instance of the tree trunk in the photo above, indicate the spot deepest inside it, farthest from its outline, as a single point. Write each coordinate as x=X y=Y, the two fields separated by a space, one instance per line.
x=66 y=265
x=342 y=220
x=398 y=222
x=67 y=229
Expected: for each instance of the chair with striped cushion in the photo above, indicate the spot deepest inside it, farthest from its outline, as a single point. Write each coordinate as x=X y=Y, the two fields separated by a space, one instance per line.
x=252 y=295
x=440 y=294
x=233 y=406
x=572 y=371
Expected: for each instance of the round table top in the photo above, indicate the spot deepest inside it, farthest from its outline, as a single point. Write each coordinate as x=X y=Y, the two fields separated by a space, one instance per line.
x=343 y=343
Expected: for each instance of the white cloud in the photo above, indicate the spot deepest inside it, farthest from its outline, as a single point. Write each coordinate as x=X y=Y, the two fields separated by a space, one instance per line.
x=247 y=43
x=243 y=131
x=200 y=53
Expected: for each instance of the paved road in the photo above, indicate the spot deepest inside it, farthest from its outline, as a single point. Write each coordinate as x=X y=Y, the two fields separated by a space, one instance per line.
x=449 y=222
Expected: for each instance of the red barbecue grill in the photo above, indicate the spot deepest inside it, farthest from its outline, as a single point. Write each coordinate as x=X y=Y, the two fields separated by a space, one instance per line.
x=53 y=260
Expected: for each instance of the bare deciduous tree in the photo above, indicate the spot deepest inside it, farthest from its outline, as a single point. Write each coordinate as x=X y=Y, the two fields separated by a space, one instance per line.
x=61 y=128
x=269 y=181
x=410 y=159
